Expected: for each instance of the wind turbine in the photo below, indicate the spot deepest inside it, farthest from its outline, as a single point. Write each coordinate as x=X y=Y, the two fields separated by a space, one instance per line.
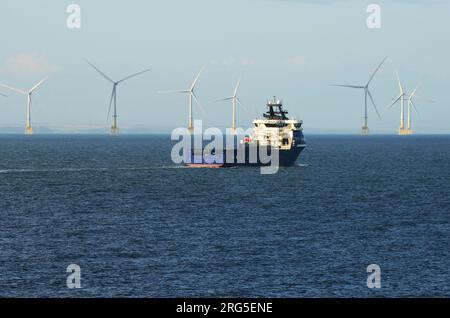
x=235 y=100
x=192 y=96
x=401 y=98
x=411 y=106
x=367 y=93
x=28 y=128
x=114 y=127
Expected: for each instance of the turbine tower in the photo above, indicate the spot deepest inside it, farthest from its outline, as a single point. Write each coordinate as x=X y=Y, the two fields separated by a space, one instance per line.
x=235 y=100
x=410 y=106
x=114 y=126
x=192 y=96
x=28 y=128
x=367 y=93
x=401 y=97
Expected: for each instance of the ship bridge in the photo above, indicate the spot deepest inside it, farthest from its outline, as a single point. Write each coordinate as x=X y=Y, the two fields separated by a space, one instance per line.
x=275 y=110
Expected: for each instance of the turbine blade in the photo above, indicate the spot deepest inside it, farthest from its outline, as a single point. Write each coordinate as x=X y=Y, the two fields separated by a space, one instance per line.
x=376 y=71
x=373 y=103
x=37 y=85
x=198 y=102
x=224 y=99
x=413 y=93
x=395 y=101
x=3 y=95
x=133 y=75
x=100 y=72
x=400 y=86
x=237 y=88
x=415 y=108
x=196 y=79
x=426 y=99
x=350 y=86
x=173 y=92
x=14 y=89
x=240 y=103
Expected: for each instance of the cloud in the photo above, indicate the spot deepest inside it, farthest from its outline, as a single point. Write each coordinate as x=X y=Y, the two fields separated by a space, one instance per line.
x=297 y=62
x=304 y=63
x=307 y=63
x=233 y=61
x=28 y=64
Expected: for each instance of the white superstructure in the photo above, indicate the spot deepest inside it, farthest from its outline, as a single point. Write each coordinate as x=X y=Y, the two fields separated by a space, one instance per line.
x=275 y=129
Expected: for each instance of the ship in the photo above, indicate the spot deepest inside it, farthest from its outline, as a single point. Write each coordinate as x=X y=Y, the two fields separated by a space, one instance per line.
x=273 y=133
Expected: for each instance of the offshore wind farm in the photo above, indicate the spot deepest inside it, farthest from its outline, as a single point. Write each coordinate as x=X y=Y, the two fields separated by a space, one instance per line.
x=192 y=97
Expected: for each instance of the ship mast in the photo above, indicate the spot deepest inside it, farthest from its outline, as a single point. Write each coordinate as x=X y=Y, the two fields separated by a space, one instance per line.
x=275 y=110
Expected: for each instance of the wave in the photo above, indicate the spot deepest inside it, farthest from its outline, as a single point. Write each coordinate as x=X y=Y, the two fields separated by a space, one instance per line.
x=69 y=169
x=50 y=170
x=5 y=171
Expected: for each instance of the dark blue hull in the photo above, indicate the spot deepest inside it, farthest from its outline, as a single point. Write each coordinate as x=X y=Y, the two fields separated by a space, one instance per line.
x=245 y=155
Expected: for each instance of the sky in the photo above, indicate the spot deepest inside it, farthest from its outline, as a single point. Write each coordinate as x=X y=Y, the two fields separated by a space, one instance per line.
x=292 y=49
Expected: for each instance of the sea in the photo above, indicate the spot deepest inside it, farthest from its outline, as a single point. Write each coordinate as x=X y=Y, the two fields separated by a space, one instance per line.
x=136 y=224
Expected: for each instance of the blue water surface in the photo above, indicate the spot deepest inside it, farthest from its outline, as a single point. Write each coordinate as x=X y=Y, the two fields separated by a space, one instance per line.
x=140 y=226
